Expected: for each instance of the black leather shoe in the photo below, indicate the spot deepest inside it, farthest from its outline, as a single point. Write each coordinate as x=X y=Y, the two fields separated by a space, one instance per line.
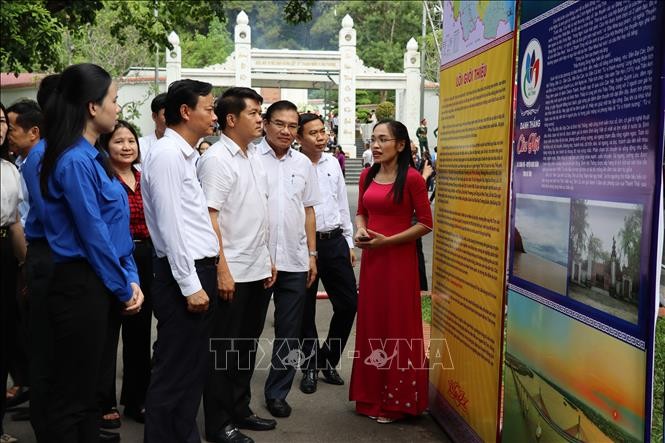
x=278 y=408
x=256 y=423
x=138 y=414
x=308 y=382
x=331 y=376
x=230 y=434
x=108 y=437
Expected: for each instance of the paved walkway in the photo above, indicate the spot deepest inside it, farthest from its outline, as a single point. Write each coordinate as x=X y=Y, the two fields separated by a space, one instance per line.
x=322 y=417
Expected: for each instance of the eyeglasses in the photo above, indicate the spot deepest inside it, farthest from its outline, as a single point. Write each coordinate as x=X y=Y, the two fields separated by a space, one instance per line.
x=381 y=141
x=281 y=125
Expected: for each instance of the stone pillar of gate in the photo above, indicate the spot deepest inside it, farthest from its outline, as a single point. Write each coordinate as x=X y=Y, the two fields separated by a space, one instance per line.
x=411 y=110
x=243 y=51
x=173 y=59
x=346 y=103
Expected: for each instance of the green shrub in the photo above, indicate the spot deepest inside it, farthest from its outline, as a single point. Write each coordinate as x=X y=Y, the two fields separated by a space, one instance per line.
x=385 y=110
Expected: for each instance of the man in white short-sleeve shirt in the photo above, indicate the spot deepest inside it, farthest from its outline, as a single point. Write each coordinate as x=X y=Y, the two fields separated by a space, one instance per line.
x=236 y=191
x=292 y=193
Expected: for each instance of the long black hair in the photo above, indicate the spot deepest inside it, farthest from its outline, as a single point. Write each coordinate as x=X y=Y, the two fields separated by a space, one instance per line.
x=400 y=134
x=66 y=112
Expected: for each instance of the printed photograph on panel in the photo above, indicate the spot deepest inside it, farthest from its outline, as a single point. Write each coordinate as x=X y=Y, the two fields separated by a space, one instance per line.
x=541 y=240
x=605 y=245
x=549 y=392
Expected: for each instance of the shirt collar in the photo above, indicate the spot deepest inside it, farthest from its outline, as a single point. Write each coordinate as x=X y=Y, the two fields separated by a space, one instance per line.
x=229 y=144
x=186 y=149
x=264 y=148
x=88 y=149
x=19 y=161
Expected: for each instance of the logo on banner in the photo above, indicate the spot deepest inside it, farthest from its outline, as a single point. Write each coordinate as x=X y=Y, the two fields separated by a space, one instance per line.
x=531 y=74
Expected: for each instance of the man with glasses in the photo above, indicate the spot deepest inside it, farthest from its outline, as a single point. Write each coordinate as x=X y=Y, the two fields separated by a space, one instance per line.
x=292 y=193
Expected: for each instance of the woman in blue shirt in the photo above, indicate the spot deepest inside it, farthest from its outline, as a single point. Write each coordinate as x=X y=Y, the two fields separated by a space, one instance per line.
x=87 y=229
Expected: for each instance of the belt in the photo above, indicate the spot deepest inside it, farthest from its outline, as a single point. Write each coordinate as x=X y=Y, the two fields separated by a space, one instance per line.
x=201 y=261
x=4 y=231
x=337 y=232
x=207 y=261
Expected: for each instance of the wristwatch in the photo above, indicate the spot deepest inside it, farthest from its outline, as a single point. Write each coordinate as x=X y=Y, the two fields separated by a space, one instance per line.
x=313 y=253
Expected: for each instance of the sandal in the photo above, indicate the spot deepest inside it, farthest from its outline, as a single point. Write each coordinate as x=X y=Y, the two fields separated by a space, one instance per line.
x=385 y=420
x=11 y=392
x=111 y=419
x=16 y=395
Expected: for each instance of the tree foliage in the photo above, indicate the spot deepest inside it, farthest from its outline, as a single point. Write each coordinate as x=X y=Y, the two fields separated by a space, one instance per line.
x=385 y=110
x=578 y=228
x=630 y=238
x=93 y=43
x=208 y=48
x=32 y=31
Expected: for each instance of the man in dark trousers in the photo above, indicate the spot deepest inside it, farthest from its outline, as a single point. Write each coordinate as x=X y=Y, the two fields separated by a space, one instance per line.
x=236 y=191
x=292 y=193
x=334 y=243
x=185 y=283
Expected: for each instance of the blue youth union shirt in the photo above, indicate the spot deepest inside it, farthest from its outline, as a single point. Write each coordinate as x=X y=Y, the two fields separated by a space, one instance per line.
x=34 y=228
x=88 y=218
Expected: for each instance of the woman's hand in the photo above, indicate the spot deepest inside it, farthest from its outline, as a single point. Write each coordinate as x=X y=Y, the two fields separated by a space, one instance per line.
x=133 y=305
x=370 y=240
x=361 y=237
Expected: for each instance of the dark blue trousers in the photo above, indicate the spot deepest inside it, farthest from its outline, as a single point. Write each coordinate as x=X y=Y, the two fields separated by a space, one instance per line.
x=180 y=358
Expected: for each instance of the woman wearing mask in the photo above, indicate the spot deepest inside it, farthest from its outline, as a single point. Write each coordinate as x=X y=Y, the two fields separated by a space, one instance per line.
x=88 y=231
x=389 y=378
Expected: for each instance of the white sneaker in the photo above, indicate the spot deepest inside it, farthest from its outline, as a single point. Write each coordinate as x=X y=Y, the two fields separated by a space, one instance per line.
x=6 y=438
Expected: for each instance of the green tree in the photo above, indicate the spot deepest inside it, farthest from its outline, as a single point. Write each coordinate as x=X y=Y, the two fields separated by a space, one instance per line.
x=630 y=239
x=382 y=27
x=595 y=247
x=93 y=43
x=578 y=228
x=207 y=49
x=33 y=30
x=385 y=110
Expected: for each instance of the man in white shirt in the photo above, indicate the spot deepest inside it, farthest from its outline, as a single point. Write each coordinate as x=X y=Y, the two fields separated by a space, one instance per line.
x=236 y=191
x=372 y=117
x=25 y=121
x=292 y=194
x=334 y=244
x=368 y=158
x=12 y=250
x=185 y=284
x=148 y=141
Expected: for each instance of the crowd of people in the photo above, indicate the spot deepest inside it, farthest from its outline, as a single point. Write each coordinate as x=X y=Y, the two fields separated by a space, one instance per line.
x=102 y=230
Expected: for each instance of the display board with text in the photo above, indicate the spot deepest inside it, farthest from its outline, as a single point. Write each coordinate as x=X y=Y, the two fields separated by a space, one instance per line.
x=586 y=192
x=473 y=166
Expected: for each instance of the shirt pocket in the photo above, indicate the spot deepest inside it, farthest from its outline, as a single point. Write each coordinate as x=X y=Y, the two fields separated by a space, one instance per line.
x=295 y=184
x=113 y=203
x=331 y=184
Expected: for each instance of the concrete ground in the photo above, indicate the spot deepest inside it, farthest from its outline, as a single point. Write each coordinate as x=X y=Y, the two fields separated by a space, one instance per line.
x=322 y=417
